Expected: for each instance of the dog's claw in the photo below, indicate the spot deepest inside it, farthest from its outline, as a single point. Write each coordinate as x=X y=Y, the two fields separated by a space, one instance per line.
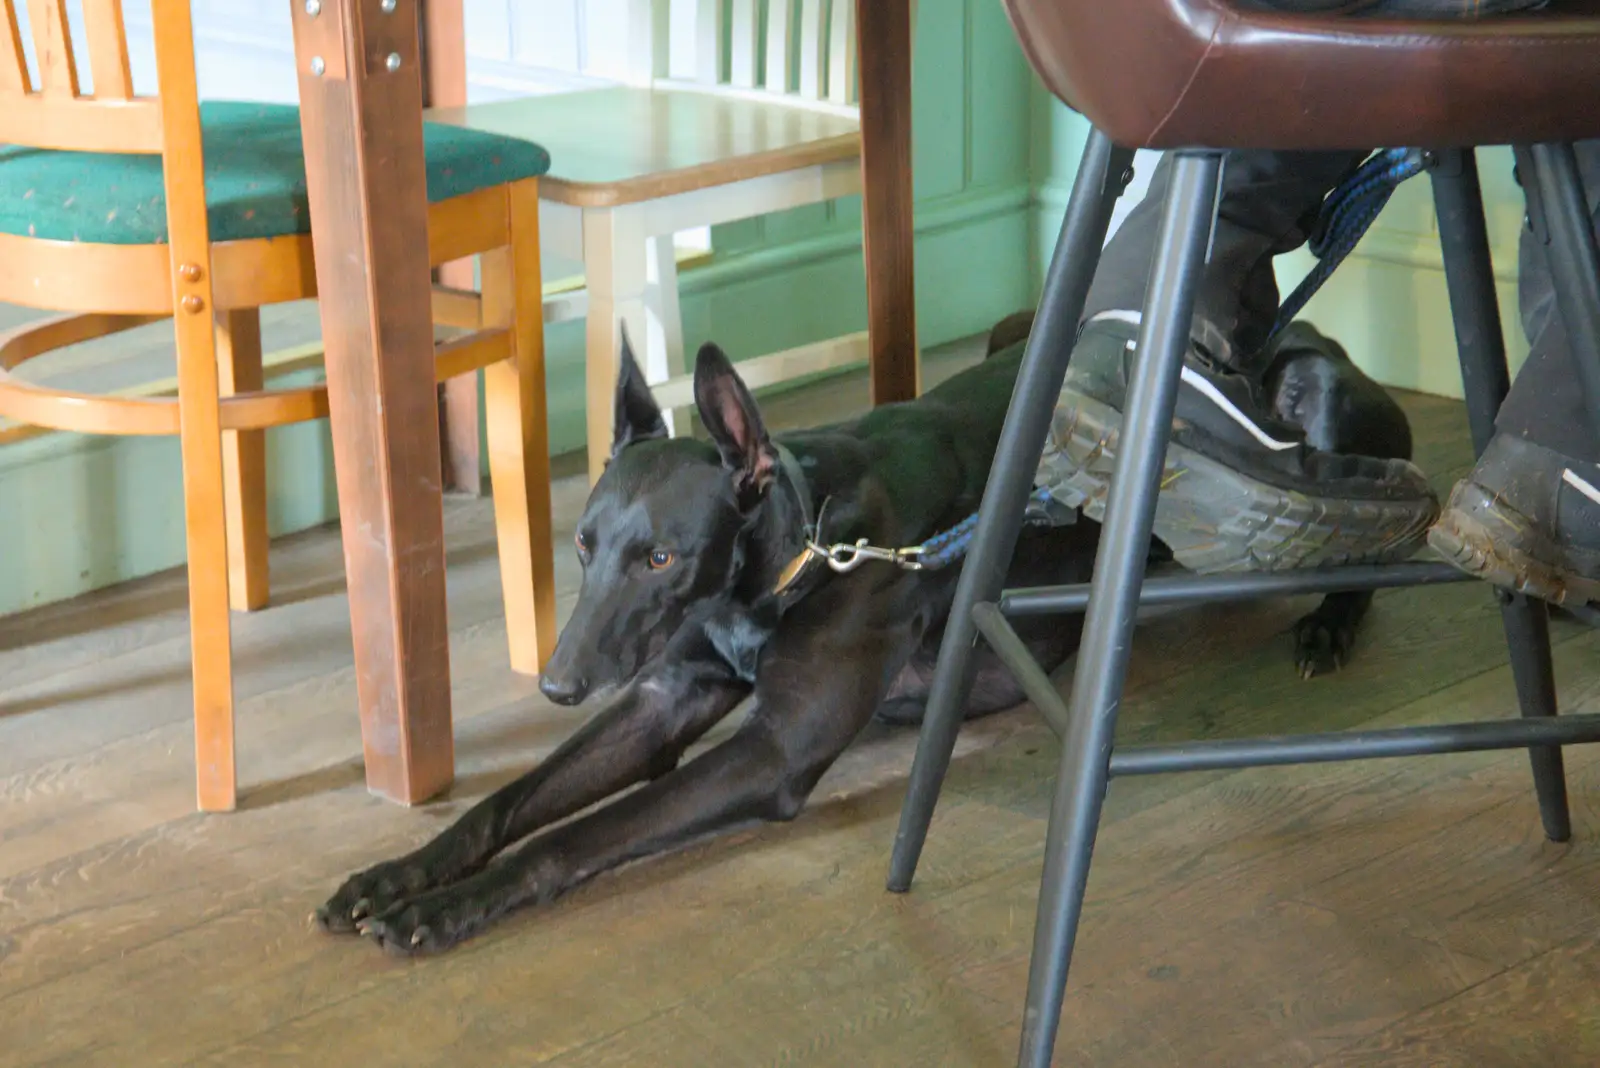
x=360 y=908
x=418 y=935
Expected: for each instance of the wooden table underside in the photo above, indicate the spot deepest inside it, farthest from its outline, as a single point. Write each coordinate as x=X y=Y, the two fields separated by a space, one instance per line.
x=364 y=177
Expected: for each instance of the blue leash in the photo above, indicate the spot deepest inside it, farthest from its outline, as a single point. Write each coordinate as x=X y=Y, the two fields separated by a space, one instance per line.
x=1345 y=218
x=946 y=547
x=1346 y=215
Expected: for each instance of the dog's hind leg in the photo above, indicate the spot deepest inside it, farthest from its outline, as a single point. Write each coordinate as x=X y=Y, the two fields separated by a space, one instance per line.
x=1050 y=640
x=820 y=679
x=639 y=736
x=1049 y=556
x=1009 y=331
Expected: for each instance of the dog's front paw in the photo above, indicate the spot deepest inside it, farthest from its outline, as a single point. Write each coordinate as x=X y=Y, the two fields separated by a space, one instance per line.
x=1321 y=645
x=373 y=892
x=428 y=924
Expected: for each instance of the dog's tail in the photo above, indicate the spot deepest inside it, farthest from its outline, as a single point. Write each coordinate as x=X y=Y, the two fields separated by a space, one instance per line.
x=1009 y=331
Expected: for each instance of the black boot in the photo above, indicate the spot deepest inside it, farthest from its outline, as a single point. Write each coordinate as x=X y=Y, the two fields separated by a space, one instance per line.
x=1244 y=490
x=1527 y=519
x=1528 y=516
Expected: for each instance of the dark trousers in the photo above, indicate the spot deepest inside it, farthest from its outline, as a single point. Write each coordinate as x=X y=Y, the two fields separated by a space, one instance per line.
x=1269 y=204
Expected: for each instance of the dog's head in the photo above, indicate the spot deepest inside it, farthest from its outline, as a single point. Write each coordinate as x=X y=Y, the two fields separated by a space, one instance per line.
x=665 y=527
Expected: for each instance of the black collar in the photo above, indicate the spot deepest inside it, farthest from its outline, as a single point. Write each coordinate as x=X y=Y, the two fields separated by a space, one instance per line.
x=789 y=587
x=798 y=485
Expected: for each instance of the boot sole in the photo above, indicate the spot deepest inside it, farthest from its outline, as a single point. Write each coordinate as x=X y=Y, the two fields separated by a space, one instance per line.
x=1493 y=550
x=1216 y=519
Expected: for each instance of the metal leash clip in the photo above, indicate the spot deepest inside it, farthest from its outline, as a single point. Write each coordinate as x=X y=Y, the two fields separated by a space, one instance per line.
x=844 y=557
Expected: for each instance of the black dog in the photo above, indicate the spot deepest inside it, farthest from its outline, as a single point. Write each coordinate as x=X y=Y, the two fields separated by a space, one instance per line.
x=698 y=593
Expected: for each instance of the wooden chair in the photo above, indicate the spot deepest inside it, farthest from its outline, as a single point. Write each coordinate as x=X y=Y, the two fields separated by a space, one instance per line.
x=766 y=122
x=121 y=210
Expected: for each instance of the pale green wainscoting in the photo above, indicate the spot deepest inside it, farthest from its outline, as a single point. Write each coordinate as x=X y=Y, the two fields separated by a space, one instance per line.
x=994 y=159
x=85 y=513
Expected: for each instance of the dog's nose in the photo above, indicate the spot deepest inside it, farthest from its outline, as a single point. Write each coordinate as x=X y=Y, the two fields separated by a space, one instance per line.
x=563 y=691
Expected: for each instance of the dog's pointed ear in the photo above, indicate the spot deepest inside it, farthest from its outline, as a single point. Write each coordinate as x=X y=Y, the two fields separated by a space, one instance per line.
x=638 y=416
x=734 y=422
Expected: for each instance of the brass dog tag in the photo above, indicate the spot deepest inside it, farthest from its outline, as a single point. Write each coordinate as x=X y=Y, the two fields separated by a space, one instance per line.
x=793 y=570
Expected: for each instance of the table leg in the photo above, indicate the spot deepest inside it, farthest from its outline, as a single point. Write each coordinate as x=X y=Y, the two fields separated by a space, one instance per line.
x=884 y=30
x=362 y=124
x=444 y=84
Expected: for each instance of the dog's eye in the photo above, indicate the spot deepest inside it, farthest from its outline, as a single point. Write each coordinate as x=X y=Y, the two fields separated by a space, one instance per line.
x=582 y=543
x=660 y=560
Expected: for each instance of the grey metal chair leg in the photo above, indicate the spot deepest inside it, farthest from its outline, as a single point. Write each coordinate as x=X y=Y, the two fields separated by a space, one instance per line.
x=1480 y=340
x=1102 y=176
x=1114 y=595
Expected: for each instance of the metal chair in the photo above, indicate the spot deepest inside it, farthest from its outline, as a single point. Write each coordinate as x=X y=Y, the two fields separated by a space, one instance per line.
x=1185 y=76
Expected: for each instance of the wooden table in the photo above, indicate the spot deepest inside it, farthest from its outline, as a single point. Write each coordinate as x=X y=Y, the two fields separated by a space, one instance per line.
x=361 y=95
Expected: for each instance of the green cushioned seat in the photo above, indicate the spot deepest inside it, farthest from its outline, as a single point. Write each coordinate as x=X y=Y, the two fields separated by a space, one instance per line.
x=255 y=179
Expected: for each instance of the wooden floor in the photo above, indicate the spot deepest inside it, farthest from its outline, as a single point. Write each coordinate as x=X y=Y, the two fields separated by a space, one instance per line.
x=1389 y=913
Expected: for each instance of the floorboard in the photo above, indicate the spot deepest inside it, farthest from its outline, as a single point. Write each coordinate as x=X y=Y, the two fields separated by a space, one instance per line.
x=1396 y=913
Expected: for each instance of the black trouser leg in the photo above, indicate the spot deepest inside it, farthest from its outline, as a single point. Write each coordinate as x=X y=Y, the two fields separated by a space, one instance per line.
x=1102 y=176
x=1268 y=205
x=1546 y=404
x=1480 y=340
x=1114 y=595
x=1574 y=262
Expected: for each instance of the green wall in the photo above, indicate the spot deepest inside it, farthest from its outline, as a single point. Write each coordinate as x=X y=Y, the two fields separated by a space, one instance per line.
x=994 y=161
x=89 y=512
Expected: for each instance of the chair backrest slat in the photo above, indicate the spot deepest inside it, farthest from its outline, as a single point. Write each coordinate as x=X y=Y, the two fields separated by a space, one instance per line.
x=52 y=47
x=842 y=88
x=744 y=38
x=708 y=27
x=49 y=108
x=108 y=49
x=13 y=62
x=780 y=28
x=802 y=50
x=813 y=48
x=649 y=28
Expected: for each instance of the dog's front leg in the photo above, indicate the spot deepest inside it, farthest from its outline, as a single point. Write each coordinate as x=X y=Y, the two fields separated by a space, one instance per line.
x=1324 y=638
x=639 y=736
x=819 y=682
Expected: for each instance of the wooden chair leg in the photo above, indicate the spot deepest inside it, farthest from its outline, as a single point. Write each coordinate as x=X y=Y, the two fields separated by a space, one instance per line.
x=519 y=436
x=462 y=458
x=614 y=267
x=664 y=355
x=206 y=527
x=199 y=422
x=244 y=462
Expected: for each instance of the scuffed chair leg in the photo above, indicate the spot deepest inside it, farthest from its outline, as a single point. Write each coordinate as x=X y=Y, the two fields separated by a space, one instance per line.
x=1480 y=339
x=1114 y=595
x=1102 y=176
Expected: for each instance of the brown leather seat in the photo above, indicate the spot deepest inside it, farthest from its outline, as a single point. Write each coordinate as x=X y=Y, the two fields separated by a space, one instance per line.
x=1227 y=74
